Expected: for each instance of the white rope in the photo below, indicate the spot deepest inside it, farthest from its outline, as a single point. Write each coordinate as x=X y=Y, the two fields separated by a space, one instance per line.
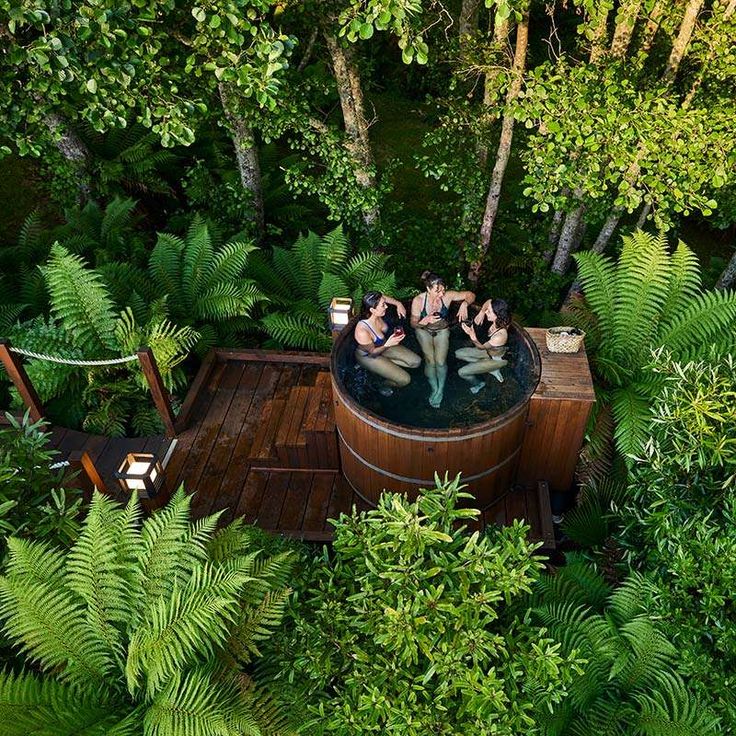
x=72 y=361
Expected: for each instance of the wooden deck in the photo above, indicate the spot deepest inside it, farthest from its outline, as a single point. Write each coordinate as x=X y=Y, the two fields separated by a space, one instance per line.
x=260 y=443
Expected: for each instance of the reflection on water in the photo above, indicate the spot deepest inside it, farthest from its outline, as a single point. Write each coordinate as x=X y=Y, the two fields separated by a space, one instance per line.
x=459 y=407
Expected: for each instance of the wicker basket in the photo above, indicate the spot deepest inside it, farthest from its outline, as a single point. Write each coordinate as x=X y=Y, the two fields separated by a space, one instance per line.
x=563 y=343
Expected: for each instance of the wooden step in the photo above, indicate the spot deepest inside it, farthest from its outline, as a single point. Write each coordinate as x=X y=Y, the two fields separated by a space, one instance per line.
x=320 y=432
x=323 y=380
x=263 y=445
x=290 y=447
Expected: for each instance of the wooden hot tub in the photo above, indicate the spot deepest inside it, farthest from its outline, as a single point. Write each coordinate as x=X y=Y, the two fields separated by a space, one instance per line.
x=377 y=454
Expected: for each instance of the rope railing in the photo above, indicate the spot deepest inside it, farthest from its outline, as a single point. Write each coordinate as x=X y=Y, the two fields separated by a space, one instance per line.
x=13 y=364
x=71 y=361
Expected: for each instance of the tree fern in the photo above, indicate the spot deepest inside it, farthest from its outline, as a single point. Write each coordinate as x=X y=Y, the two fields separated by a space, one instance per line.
x=648 y=300
x=630 y=685
x=301 y=281
x=130 y=629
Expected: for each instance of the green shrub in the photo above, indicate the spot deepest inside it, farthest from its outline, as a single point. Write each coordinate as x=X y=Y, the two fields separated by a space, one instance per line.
x=33 y=497
x=402 y=630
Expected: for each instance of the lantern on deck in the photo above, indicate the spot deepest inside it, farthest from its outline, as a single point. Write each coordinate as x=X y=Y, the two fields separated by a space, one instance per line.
x=141 y=472
x=341 y=312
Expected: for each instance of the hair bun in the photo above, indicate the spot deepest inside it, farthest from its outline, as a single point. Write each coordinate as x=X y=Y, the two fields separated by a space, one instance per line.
x=425 y=273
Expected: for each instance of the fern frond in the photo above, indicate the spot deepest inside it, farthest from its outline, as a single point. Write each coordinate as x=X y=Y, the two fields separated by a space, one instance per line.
x=707 y=317
x=116 y=219
x=642 y=281
x=94 y=570
x=80 y=302
x=183 y=628
x=47 y=622
x=165 y=264
x=331 y=286
x=228 y=263
x=333 y=250
x=632 y=413
x=684 y=281
x=38 y=562
x=30 y=705
x=598 y=277
x=297 y=330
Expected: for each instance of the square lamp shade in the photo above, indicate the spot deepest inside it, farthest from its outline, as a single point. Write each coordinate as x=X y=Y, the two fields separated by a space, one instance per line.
x=141 y=472
x=341 y=311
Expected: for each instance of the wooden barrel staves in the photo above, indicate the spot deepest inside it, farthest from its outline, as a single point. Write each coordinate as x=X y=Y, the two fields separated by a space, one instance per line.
x=378 y=455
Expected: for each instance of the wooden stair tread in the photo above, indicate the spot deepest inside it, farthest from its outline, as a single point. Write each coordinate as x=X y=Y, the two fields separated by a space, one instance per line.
x=263 y=445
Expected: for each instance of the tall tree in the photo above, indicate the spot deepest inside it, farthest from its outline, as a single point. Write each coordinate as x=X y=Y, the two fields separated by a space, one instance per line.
x=507 y=132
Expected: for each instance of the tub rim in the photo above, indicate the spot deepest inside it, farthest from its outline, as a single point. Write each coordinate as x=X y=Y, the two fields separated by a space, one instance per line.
x=437 y=434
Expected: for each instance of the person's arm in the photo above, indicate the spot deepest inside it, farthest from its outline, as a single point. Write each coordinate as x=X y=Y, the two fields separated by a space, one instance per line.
x=466 y=297
x=400 y=308
x=482 y=312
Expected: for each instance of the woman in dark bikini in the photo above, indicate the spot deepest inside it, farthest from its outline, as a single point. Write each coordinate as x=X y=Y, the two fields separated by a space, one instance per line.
x=378 y=351
x=429 y=317
x=486 y=357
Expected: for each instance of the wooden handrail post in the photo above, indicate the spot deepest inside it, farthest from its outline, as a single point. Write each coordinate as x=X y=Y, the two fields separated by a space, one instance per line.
x=158 y=390
x=14 y=368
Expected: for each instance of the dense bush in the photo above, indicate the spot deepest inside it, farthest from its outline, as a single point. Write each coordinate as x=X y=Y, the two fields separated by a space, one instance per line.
x=680 y=525
x=34 y=500
x=404 y=629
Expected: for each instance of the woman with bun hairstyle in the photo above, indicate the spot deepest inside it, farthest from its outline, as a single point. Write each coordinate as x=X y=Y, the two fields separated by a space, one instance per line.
x=430 y=313
x=378 y=351
x=486 y=356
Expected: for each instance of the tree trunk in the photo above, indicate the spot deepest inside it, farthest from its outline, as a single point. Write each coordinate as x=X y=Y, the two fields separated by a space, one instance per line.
x=645 y=210
x=568 y=236
x=553 y=236
x=679 y=47
x=727 y=13
x=651 y=28
x=600 y=34
x=73 y=149
x=307 y=55
x=501 y=32
x=246 y=154
x=609 y=226
x=625 y=22
x=728 y=277
x=504 y=148
x=356 y=126
x=468 y=21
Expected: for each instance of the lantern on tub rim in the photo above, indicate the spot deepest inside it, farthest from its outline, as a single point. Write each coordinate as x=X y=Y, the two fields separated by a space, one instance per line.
x=141 y=472
x=341 y=312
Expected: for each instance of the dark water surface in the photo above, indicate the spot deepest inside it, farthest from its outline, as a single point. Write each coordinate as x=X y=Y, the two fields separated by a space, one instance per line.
x=459 y=407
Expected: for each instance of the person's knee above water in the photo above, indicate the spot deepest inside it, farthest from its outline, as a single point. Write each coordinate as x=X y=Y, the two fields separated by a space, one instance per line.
x=430 y=311
x=379 y=350
x=486 y=355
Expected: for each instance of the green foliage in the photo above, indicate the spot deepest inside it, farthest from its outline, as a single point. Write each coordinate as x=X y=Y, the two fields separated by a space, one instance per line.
x=301 y=281
x=33 y=499
x=650 y=299
x=631 y=685
x=140 y=627
x=84 y=326
x=202 y=282
x=679 y=523
x=401 y=630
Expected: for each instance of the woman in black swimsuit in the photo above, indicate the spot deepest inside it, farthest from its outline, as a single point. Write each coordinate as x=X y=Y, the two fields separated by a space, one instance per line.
x=486 y=356
x=429 y=317
x=381 y=352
